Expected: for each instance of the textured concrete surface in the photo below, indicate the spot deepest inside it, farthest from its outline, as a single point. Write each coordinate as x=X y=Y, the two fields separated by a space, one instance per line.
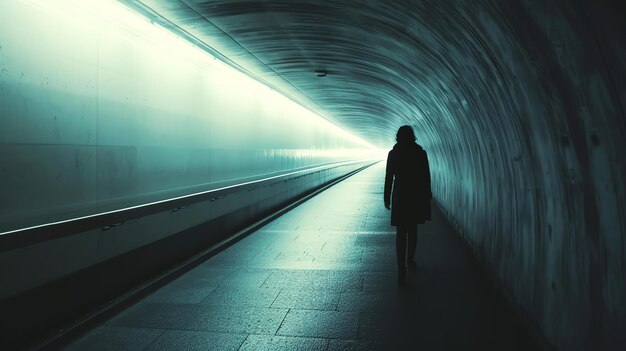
x=322 y=277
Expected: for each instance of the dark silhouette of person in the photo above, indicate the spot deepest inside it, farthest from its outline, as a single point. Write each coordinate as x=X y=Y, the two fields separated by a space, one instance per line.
x=408 y=174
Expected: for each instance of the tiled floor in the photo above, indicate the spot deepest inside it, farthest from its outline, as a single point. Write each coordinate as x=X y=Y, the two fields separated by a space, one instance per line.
x=321 y=277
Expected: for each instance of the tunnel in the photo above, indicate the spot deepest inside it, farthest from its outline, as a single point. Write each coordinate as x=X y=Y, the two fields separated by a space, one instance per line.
x=135 y=134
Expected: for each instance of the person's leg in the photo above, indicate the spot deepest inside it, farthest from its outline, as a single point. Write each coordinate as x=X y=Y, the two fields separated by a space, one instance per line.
x=401 y=252
x=412 y=246
x=401 y=246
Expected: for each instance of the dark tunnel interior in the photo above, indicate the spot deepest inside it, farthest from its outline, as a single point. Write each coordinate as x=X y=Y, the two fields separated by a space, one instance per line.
x=520 y=105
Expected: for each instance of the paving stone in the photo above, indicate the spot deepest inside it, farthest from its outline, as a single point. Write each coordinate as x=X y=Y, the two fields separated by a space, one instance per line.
x=313 y=279
x=116 y=338
x=325 y=324
x=283 y=343
x=369 y=301
x=158 y=315
x=380 y=281
x=246 y=277
x=230 y=295
x=361 y=345
x=203 y=317
x=180 y=294
x=203 y=275
x=307 y=299
x=408 y=327
x=188 y=340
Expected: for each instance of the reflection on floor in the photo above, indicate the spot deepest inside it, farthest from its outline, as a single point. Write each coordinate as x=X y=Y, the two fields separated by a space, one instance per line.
x=321 y=277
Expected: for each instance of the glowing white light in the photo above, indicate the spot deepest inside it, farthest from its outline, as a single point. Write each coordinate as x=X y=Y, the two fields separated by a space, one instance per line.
x=115 y=18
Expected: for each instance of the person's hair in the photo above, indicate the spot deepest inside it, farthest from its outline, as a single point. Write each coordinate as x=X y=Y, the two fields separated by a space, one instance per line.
x=405 y=135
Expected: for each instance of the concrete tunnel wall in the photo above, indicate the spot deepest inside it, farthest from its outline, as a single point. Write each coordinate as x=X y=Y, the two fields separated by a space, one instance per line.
x=525 y=132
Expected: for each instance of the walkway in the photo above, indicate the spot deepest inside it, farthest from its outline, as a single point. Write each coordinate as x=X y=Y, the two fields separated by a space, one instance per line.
x=321 y=277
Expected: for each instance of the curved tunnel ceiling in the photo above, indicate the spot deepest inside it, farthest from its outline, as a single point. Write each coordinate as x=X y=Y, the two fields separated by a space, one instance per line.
x=520 y=105
x=386 y=64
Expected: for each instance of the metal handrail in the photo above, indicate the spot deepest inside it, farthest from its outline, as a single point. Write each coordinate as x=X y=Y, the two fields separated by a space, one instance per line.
x=106 y=220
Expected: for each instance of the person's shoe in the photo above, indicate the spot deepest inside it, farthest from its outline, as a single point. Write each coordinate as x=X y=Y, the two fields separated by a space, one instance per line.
x=412 y=266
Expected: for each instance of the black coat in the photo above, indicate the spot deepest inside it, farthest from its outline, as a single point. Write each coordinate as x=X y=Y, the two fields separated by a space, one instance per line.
x=408 y=174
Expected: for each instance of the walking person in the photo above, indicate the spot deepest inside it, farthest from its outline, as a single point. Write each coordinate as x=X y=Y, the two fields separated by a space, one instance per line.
x=407 y=195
